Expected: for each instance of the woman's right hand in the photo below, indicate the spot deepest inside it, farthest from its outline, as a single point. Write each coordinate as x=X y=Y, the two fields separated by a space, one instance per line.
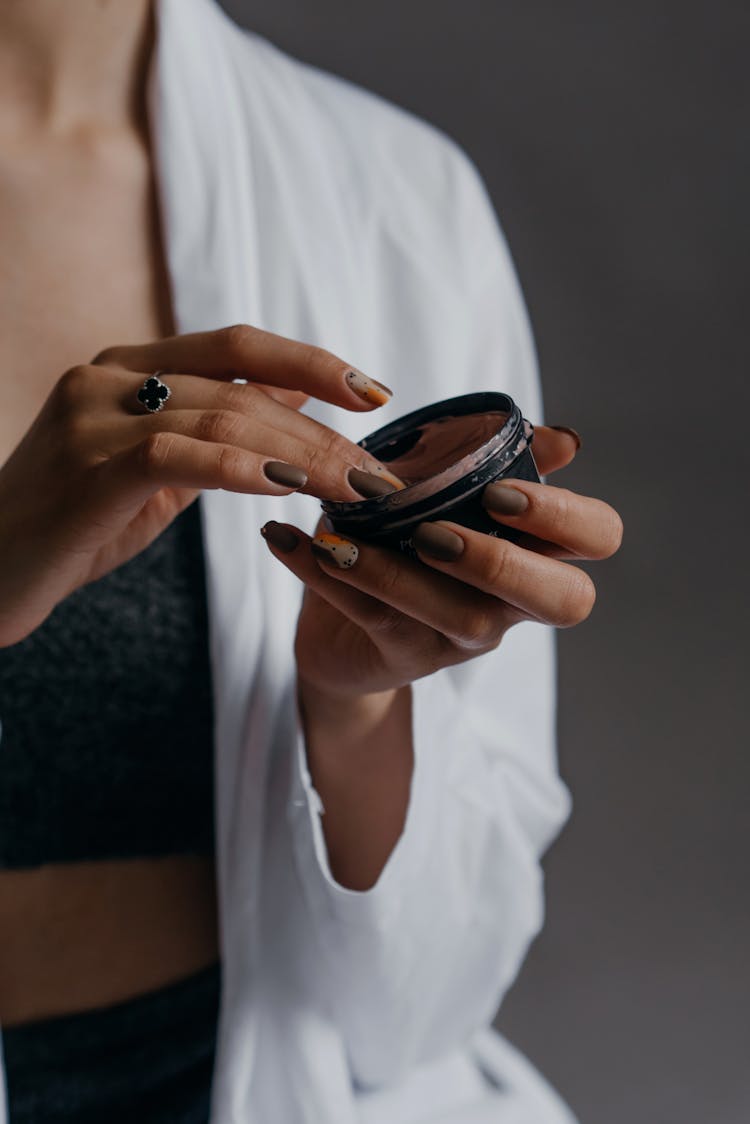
x=97 y=478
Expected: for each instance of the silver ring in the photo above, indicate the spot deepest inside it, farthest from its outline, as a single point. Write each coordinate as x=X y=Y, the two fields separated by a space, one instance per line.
x=154 y=393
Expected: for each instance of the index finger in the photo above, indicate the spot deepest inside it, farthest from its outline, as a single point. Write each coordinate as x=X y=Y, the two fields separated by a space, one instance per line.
x=244 y=352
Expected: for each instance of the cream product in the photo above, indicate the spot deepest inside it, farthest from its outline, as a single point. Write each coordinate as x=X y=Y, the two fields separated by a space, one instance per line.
x=445 y=454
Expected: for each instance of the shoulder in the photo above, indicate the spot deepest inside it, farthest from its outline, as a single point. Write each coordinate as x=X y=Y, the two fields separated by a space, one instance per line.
x=389 y=165
x=368 y=125
x=390 y=217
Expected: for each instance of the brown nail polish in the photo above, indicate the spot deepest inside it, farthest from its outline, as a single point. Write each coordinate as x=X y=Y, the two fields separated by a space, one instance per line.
x=368 y=485
x=504 y=499
x=571 y=433
x=288 y=475
x=438 y=542
x=280 y=537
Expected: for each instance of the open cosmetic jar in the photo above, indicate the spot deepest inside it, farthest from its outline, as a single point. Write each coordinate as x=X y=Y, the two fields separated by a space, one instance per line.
x=445 y=454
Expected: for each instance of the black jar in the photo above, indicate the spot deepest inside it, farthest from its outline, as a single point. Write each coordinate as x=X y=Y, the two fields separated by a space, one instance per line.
x=447 y=453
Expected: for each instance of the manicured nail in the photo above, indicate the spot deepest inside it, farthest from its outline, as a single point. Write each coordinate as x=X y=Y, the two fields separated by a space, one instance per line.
x=280 y=537
x=288 y=475
x=369 y=485
x=504 y=499
x=384 y=474
x=571 y=432
x=368 y=389
x=332 y=548
x=437 y=542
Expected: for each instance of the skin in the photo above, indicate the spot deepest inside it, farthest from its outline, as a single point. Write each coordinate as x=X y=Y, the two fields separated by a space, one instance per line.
x=81 y=268
x=84 y=271
x=113 y=476
x=388 y=620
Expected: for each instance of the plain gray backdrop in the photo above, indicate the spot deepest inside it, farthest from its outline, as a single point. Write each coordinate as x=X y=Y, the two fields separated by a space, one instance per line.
x=614 y=141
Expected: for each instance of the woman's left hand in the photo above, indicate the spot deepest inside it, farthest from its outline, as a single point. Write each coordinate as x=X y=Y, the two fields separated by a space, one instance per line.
x=383 y=619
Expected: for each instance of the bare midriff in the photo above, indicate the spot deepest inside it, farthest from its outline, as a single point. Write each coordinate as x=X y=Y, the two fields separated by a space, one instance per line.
x=82 y=270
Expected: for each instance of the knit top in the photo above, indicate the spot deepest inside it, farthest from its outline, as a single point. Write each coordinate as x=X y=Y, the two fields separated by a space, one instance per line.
x=106 y=746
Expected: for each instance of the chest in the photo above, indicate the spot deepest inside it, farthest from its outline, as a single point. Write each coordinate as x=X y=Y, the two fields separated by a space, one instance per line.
x=80 y=269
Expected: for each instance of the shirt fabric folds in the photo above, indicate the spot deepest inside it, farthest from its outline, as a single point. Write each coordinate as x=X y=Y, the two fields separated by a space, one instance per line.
x=296 y=202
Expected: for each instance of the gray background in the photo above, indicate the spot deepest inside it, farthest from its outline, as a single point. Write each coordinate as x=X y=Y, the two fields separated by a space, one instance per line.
x=613 y=138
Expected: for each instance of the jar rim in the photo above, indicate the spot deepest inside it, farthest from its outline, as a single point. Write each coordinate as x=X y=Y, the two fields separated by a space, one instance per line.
x=460 y=479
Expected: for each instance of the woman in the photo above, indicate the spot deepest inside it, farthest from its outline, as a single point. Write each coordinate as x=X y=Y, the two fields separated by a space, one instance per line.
x=381 y=753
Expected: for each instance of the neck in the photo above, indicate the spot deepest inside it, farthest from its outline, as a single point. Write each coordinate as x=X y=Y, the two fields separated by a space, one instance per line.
x=68 y=63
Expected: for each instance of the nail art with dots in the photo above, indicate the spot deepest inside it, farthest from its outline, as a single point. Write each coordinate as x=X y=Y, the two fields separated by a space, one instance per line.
x=331 y=548
x=375 y=393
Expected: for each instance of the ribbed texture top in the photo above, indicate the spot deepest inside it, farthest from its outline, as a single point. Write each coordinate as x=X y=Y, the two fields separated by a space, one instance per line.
x=106 y=747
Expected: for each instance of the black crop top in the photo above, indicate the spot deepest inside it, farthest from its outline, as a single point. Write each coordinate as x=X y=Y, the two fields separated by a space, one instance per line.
x=106 y=713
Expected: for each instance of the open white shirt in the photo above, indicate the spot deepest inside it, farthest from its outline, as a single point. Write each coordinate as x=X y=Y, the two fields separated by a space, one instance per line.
x=299 y=203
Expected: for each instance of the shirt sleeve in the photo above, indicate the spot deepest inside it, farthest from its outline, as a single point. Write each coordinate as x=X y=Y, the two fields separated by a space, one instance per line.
x=412 y=966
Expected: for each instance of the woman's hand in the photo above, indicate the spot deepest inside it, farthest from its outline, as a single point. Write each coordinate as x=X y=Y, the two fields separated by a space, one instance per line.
x=372 y=627
x=97 y=478
x=384 y=620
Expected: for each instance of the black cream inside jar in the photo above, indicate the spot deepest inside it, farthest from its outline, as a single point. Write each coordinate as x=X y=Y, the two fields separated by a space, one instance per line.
x=445 y=454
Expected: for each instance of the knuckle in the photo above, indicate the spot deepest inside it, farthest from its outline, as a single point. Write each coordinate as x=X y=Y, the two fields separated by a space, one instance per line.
x=389 y=578
x=557 y=511
x=437 y=651
x=72 y=408
x=229 y=463
x=576 y=600
x=386 y=620
x=74 y=385
x=449 y=652
x=218 y=426
x=240 y=398
x=611 y=534
x=317 y=361
x=330 y=453
x=154 y=453
x=499 y=566
x=237 y=341
x=477 y=629
x=339 y=449
x=110 y=356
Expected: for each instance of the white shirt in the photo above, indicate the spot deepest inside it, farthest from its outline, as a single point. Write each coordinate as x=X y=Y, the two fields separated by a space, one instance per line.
x=299 y=203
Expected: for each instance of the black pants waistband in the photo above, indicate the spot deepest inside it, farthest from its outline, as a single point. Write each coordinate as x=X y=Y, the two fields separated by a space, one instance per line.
x=148 y=1059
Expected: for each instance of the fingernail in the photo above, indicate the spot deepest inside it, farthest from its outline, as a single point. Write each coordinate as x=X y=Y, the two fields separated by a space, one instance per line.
x=280 y=537
x=288 y=475
x=571 y=432
x=384 y=474
x=504 y=499
x=332 y=548
x=437 y=542
x=369 y=485
x=369 y=390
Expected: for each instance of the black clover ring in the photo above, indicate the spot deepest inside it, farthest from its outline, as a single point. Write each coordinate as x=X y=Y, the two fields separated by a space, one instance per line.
x=154 y=393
